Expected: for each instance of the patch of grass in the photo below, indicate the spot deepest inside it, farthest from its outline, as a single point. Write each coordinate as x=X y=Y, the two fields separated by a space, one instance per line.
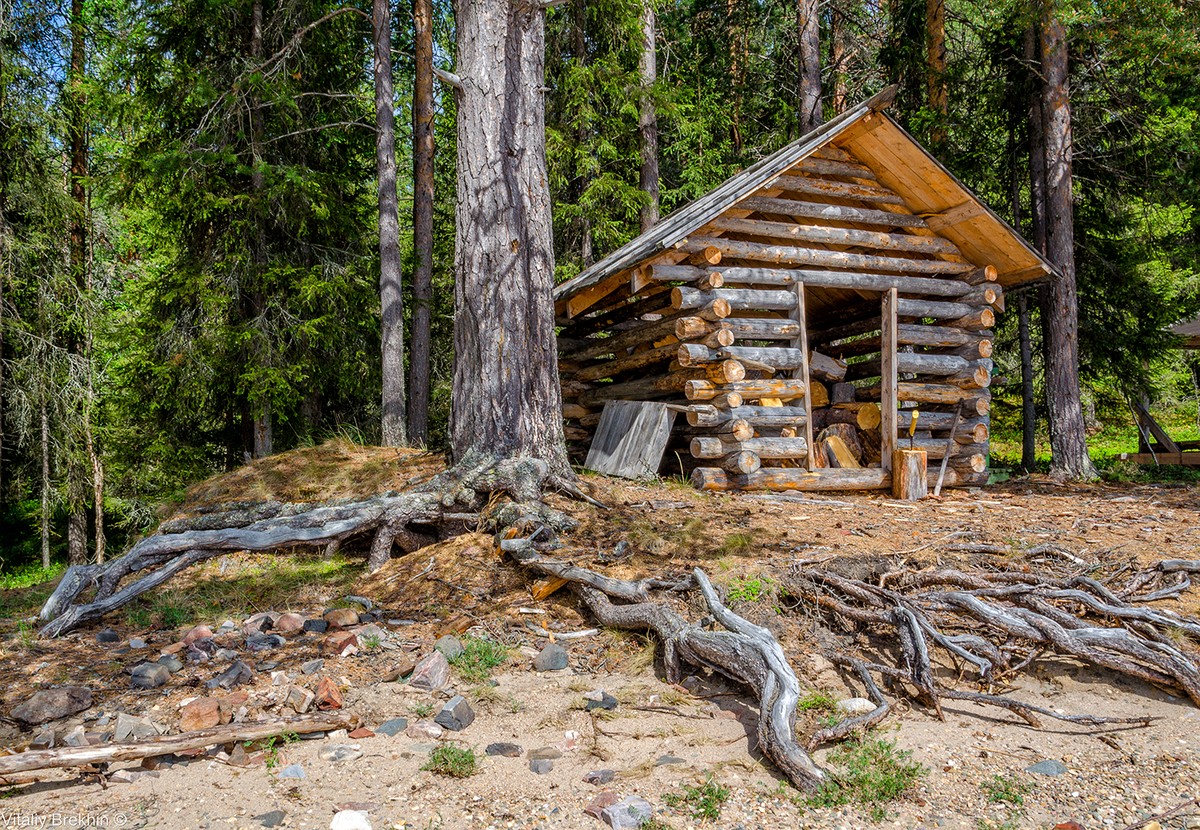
x=138 y=615
x=453 y=761
x=270 y=747
x=702 y=802
x=1004 y=789
x=25 y=636
x=370 y=642
x=691 y=534
x=750 y=588
x=817 y=701
x=479 y=656
x=737 y=544
x=873 y=773
x=644 y=534
x=422 y=710
x=27 y=576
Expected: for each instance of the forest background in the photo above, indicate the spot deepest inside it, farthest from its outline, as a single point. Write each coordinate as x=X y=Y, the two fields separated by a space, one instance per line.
x=188 y=238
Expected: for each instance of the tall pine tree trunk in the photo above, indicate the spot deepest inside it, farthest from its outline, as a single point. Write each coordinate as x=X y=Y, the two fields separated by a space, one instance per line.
x=837 y=57
x=391 y=301
x=77 y=139
x=647 y=117
x=506 y=392
x=263 y=426
x=935 y=66
x=45 y=512
x=808 y=31
x=579 y=184
x=422 y=281
x=1068 y=438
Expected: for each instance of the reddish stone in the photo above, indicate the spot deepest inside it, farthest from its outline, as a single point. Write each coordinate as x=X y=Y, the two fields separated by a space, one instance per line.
x=174 y=648
x=341 y=617
x=201 y=713
x=230 y=703
x=200 y=632
x=329 y=696
x=361 y=732
x=289 y=624
x=605 y=799
x=338 y=642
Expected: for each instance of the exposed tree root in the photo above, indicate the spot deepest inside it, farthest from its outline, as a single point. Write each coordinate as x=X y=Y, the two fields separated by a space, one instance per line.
x=413 y=517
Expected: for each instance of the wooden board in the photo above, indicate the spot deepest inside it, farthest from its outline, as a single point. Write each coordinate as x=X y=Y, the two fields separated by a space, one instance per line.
x=888 y=381
x=630 y=439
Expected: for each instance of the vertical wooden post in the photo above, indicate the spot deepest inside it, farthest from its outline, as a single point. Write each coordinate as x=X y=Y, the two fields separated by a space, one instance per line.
x=888 y=403
x=801 y=342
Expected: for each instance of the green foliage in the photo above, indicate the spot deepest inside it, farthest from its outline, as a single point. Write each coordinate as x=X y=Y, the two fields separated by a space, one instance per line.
x=700 y=802
x=816 y=700
x=750 y=588
x=479 y=656
x=452 y=761
x=1005 y=789
x=422 y=709
x=871 y=772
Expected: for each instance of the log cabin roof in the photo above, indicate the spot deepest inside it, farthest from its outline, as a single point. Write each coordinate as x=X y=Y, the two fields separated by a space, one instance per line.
x=1189 y=331
x=873 y=139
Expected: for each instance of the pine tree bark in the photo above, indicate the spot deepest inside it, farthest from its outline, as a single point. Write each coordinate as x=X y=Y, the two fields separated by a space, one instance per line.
x=587 y=254
x=507 y=400
x=935 y=51
x=808 y=29
x=648 y=118
x=1068 y=438
x=263 y=427
x=422 y=281
x=45 y=513
x=391 y=300
x=837 y=57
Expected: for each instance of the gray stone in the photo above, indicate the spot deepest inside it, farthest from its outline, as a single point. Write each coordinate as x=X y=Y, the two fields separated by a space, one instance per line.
x=129 y=776
x=76 y=737
x=606 y=701
x=366 y=604
x=264 y=642
x=1047 y=767
x=316 y=626
x=545 y=753
x=339 y=753
x=232 y=677
x=108 y=636
x=52 y=704
x=292 y=771
x=312 y=666
x=301 y=700
x=392 y=727
x=600 y=776
x=44 y=740
x=541 y=766
x=431 y=673
x=271 y=819
x=424 y=731
x=225 y=655
x=552 y=658
x=170 y=662
x=506 y=750
x=137 y=642
x=669 y=761
x=149 y=676
x=629 y=813
x=450 y=646
x=227 y=626
x=456 y=714
x=128 y=726
x=855 y=706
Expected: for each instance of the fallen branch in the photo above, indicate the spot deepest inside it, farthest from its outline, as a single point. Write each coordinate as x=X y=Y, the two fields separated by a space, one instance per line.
x=172 y=744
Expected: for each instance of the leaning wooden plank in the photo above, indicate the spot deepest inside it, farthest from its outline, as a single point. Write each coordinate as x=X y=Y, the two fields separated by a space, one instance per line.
x=907 y=285
x=791 y=478
x=831 y=213
x=631 y=438
x=826 y=235
x=797 y=255
x=172 y=744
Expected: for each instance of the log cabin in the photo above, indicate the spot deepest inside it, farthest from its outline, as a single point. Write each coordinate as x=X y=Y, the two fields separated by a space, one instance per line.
x=797 y=313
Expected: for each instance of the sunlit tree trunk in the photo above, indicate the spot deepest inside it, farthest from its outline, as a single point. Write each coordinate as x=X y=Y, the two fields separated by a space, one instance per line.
x=648 y=118
x=264 y=438
x=422 y=281
x=808 y=31
x=837 y=59
x=935 y=67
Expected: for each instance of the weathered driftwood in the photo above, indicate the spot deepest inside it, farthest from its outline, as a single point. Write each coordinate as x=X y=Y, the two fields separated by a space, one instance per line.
x=171 y=744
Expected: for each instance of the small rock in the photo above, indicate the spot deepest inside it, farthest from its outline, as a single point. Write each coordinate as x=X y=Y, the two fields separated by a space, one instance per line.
x=341 y=617
x=201 y=713
x=225 y=655
x=232 y=703
x=431 y=673
x=456 y=714
x=170 y=662
x=232 y=677
x=129 y=776
x=149 y=676
x=360 y=733
x=506 y=750
x=424 y=731
x=107 y=636
x=328 y=695
x=137 y=643
x=292 y=771
x=350 y=820
x=600 y=776
x=259 y=623
x=855 y=706
x=128 y=726
x=301 y=700
x=552 y=658
x=545 y=753
x=337 y=735
x=264 y=642
x=271 y=819
x=76 y=737
x=606 y=701
x=629 y=813
x=669 y=761
x=601 y=802
x=339 y=642
x=392 y=727
x=316 y=626
x=44 y=740
x=312 y=666
x=341 y=752
x=366 y=604
x=403 y=667
x=541 y=766
x=52 y=704
x=200 y=632
x=289 y=623
x=173 y=649
x=450 y=646
x=227 y=627
x=1047 y=767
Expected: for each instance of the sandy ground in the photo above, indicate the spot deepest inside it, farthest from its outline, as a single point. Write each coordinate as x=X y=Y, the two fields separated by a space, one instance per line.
x=1115 y=776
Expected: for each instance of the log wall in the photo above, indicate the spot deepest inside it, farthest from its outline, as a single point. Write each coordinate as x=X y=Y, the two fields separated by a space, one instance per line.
x=767 y=324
